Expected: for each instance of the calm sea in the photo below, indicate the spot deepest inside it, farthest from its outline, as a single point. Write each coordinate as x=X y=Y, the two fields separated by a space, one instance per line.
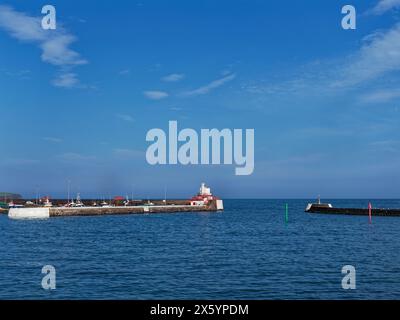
x=245 y=252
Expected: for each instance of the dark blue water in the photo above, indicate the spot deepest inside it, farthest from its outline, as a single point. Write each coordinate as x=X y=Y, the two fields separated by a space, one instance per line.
x=245 y=252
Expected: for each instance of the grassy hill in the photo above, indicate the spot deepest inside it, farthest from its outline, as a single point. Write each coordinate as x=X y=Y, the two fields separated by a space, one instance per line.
x=7 y=196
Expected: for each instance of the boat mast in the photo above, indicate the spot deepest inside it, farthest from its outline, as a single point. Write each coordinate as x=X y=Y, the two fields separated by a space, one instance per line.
x=69 y=187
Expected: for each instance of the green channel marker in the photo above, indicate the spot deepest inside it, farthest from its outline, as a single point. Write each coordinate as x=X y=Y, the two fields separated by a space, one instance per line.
x=286 y=213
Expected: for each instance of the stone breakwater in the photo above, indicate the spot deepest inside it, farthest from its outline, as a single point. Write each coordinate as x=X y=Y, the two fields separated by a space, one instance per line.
x=380 y=212
x=42 y=213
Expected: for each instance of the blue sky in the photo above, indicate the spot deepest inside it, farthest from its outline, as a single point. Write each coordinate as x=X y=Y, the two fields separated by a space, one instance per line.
x=324 y=102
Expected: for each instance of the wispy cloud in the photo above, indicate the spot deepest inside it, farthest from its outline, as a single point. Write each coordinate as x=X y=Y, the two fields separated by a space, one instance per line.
x=392 y=146
x=21 y=74
x=156 y=95
x=383 y=6
x=174 y=77
x=210 y=86
x=66 y=80
x=298 y=84
x=126 y=154
x=125 y=117
x=55 y=44
x=378 y=56
x=124 y=72
x=52 y=139
x=75 y=157
x=380 y=96
x=19 y=162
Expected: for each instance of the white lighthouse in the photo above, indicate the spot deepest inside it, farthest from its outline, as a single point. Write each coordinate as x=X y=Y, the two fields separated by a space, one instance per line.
x=204 y=197
x=204 y=191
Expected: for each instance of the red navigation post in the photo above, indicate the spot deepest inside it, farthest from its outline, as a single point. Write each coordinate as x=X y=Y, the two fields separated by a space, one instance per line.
x=370 y=212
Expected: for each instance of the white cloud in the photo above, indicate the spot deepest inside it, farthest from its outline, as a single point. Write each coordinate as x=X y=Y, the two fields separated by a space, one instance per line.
x=379 y=55
x=125 y=117
x=156 y=95
x=174 y=77
x=20 y=25
x=56 y=51
x=66 y=80
x=53 y=139
x=55 y=44
x=384 y=5
x=211 y=86
x=375 y=62
x=381 y=96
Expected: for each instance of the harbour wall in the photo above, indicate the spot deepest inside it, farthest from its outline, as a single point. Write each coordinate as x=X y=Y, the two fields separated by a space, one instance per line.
x=356 y=211
x=29 y=213
x=42 y=213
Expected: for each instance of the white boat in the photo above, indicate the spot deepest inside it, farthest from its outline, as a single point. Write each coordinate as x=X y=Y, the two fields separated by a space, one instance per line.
x=318 y=204
x=105 y=205
x=126 y=202
x=79 y=203
x=13 y=205
x=47 y=203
